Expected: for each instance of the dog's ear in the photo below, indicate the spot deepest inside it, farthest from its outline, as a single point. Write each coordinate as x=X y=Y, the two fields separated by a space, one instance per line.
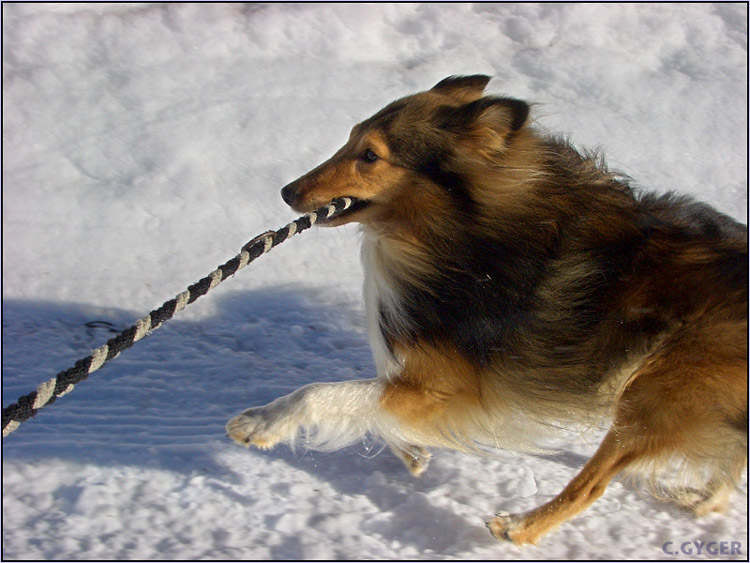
x=508 y=114
x=464 y=89
x=485 y=124
x=499 y=114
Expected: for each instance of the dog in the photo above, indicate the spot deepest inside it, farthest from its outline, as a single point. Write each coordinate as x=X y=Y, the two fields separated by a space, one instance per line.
x=513 y=284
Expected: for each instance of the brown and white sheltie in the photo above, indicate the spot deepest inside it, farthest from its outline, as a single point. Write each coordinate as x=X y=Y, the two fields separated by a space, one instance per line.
x=513 y=284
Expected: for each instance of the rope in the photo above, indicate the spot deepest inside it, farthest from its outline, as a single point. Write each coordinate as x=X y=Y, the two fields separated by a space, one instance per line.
x=63 y=383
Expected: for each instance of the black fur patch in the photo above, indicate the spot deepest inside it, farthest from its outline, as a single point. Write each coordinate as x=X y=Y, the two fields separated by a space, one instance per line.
x=451 y=182
x=740 y=421
x=385 y=117
x=482 y=292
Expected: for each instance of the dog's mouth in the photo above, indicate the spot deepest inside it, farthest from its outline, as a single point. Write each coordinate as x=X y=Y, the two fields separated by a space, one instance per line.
x=343 y=210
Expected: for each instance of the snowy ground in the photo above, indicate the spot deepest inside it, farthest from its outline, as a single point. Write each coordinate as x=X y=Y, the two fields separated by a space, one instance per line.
x=145 y=144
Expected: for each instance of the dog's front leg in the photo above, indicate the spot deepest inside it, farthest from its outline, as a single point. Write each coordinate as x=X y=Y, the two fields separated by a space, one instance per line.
x=331 y=415
x=415 y=458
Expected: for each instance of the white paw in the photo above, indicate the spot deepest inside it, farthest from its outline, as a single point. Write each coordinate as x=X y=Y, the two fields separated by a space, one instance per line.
x=262 y=427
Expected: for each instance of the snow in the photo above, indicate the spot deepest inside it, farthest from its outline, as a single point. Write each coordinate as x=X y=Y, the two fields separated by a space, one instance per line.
x=144 y=144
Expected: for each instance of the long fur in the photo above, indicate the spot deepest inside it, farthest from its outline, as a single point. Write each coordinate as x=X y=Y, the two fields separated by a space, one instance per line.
x=513 y=283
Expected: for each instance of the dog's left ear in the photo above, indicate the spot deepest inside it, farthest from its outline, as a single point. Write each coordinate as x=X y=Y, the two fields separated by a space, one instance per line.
x=463 y=89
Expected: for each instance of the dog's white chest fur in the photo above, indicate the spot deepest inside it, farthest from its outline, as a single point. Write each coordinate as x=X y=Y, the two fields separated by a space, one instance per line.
x=380 y=295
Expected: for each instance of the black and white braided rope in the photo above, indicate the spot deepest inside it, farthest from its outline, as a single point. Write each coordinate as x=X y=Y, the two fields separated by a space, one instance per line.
x=63 y=383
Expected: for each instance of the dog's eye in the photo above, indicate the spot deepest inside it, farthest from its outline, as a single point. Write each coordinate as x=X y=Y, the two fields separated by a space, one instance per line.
x=369 y=156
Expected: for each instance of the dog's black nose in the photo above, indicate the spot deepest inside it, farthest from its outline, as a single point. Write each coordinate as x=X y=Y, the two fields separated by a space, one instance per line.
x=288 y=193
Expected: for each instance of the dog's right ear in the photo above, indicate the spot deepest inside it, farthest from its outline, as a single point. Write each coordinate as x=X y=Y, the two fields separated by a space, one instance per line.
x=463 y=89
x=500 y=114
x=486 y=124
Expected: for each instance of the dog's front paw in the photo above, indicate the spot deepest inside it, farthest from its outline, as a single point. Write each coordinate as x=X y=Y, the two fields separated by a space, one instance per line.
x=509 y=527
x=415 y=458
x=259 y=427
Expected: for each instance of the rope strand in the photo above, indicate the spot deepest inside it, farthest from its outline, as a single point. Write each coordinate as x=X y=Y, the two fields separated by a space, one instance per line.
x=64 y=382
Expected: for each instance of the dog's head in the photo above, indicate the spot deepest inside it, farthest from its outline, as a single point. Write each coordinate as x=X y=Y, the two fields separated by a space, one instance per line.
x=411 y=152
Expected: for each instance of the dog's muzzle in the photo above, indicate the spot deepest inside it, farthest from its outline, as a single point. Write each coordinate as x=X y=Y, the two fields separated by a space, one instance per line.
x=291 y=196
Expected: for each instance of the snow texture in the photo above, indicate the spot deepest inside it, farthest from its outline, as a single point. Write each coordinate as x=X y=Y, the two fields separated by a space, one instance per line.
x=143 y=144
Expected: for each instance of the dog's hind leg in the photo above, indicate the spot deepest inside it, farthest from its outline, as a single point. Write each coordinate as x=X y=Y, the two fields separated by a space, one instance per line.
x=716 y=499
x=611 y=457
x=715 y=495
x=687 y=399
